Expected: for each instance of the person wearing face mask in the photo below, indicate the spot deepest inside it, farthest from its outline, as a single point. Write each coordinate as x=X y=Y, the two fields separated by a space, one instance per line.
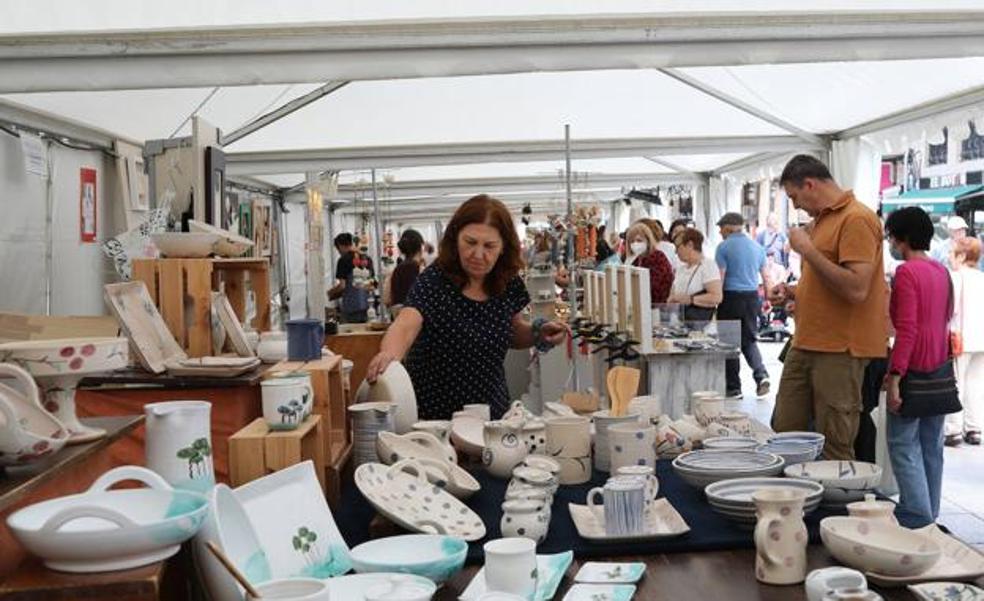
x=462 y=315
x=643 y=252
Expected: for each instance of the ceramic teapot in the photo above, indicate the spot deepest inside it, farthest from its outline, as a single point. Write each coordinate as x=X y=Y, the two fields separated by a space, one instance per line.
x=28 y=433
x=179 y=443
x=504 y=447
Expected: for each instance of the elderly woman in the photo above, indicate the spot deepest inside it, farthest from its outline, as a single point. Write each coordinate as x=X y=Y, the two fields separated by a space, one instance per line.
x=642 y=251
x=920 y=309
x=462 y=315
x=968 y=325
x=697 y=283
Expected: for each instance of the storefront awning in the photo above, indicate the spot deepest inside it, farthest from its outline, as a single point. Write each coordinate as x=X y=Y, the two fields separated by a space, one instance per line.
x=938 y=201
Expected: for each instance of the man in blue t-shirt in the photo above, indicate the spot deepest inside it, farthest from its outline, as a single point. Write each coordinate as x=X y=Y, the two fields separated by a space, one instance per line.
x=742 y=261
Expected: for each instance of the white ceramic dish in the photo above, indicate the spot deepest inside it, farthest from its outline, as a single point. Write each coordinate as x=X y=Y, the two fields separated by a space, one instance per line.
x=355 y=586
x=294 y=525
x=142 y=323
x=791 y=452
x=393 y=447
x=190 y=245
x=292 y=589
x=28 y=433
x=878 y=546
x=222 y=367
x=733 y=498
x=412 y=502
x=393 y=386
x=603 y=572
x=813 y=438
x=467 y=433
x=958 y=562
x=662 y=521
x=701 y=468
x=731 y=443
x=228 y=243
x=550 y=569
x=432 y=556
x=600 y=592
x=947 y=591
x=843 y=481
x=104 y=530
x=227 y=525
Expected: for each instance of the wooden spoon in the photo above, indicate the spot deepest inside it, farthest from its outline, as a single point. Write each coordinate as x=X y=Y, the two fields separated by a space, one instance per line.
x=613 y=401
x=225 y=561
x=625 y=382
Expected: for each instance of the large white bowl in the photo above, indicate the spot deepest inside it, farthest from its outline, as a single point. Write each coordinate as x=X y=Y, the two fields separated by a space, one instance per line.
x=432 y=556
x=700 y=468
x=843 y=481
x=185 y=244
x=227 y=525
x=880 y=547
x=791 y=452
x=228 y=245
x=467 y=433
x=393 y=386
x=104 y=530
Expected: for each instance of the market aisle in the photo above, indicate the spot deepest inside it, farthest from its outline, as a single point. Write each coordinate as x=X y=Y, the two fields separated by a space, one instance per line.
x=963 y=486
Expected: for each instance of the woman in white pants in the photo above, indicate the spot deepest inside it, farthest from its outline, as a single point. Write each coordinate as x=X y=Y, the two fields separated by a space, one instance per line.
x=968 y=321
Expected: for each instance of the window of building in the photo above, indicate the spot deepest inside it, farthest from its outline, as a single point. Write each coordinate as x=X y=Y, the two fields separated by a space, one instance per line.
x=972 y=148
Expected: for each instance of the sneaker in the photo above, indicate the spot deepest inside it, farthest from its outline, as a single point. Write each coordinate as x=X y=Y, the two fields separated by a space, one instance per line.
x=733 y=394
x=952 y=440
x=973 y=438
x=763 y=388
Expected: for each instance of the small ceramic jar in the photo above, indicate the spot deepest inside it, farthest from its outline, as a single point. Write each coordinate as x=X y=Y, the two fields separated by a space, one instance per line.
x=526 y=518
x=872 y=509
x=543 y=463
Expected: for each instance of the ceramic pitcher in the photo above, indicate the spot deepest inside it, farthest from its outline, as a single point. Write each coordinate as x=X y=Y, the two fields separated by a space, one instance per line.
x=504 y=447
x=179 y=443
x=780 y=536
x=569 y=444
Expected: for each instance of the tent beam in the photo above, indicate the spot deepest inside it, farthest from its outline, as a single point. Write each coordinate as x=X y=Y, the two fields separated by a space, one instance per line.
x=281 y=112
x=35 y=119
x=670 y=165
x=959 y=100
x=318 y=52
x=383 y=157
x=749 y=161
x=743 y=106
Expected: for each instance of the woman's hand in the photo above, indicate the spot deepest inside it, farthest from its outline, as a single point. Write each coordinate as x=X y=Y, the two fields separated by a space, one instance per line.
x=893 y=399
x=554 y=332
x=378 y=366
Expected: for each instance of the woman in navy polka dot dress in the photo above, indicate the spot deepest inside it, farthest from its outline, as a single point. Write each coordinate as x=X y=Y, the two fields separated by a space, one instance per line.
x=462 y=315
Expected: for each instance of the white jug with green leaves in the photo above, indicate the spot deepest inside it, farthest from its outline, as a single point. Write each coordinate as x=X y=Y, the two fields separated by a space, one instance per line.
x=179 y=443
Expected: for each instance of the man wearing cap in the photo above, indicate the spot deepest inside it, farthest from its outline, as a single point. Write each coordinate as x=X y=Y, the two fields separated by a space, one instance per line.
x=841 y=309
x=742 y=261
x=958 y=231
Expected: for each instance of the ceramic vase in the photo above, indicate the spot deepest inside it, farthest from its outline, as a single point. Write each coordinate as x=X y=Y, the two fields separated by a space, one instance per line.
x=569 y=444
x=504 y=448
x=780 y=536
x=368 y=420
x=527 y=518
x=285 y=402
x=603 y=420
x=632 y=444
x=510 y=566
x=179 y=443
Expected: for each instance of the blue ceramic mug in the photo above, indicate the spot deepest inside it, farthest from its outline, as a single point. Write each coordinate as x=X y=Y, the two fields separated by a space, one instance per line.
x=305 y=338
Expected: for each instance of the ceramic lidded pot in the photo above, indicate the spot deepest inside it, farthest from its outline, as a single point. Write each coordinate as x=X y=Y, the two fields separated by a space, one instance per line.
x=504 y=449
x=535 y=477
x=526 y=518
x=603 y=420
x=179 y=443
x=780 y=536
x=873 y=509
x=28 y=433
x=569 y=444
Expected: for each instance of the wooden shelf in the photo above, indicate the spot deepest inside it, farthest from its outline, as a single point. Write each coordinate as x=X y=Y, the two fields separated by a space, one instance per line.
x=17 y=482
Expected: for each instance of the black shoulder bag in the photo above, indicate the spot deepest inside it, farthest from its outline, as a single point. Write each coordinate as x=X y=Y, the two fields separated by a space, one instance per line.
x=929 y=393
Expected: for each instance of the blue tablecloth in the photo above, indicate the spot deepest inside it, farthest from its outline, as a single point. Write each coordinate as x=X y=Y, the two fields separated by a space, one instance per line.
x=708 y=530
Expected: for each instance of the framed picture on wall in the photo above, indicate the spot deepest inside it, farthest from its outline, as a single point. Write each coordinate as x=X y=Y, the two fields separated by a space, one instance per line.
x=87 y=205
x=262 y=229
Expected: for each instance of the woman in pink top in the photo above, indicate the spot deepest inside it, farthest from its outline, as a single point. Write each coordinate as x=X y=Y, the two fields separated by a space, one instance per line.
x=920 y=308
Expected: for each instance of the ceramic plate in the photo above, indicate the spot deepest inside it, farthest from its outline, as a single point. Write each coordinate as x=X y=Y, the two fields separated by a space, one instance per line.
x=947 y=591
x=467 y=434
x=959 y=562
x=739 y=491
x=598 y=572
x=412 y=502
x=600 y=592
x=294 y=524
x=663 y=522
x=551 y=570
x=202 y=367
x=233 y=328
x=715 y=460
x=354 y=586
x=142 y=323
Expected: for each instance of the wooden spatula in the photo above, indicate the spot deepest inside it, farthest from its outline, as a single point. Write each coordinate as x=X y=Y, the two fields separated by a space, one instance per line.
x=624 y=381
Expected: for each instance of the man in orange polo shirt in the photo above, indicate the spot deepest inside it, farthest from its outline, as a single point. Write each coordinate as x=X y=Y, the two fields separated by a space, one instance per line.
x=840 y=308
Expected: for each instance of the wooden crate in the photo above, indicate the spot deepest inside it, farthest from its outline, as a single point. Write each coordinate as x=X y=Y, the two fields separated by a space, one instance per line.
x=182 y=290
x=256 y=451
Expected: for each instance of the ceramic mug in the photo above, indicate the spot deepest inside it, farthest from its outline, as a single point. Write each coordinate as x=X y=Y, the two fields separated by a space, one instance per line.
x=284 y=403
x=510 y=566
x=632 y=444
x=569 y=444
x=624 y=505
x=603 y=420
x=305 y=338
x=780 y=536
x=305 y=379
x=648 y=474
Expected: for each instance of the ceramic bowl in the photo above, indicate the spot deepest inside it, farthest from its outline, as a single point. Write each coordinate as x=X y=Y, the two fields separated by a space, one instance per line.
x=791 y=452
x=467 y=433
x=393 y=386
x=186 y=245
x=227 y=525
x=700 y=468
x=872 y=546
x=814 y=438
x=104 y=530
x=432 y=556
x=731 y=443
x=292 y=589
x=28 y=433
x=733 y=498
x=843 y=481
x=228 y=244
x=402 y=587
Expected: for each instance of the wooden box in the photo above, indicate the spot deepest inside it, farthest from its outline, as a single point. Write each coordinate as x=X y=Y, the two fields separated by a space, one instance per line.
x=256 y=451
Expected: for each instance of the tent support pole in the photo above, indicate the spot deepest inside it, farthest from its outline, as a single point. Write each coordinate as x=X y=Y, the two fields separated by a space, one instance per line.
x=378 y=242
x=571 y=262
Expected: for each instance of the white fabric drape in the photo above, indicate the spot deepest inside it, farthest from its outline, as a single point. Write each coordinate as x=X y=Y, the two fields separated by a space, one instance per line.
x=856 y=164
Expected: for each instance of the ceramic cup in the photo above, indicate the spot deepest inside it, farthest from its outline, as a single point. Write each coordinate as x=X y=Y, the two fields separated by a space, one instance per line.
x=707 y=409
x=284 y=402
x=632 y=444
x=780 y=536
x=305 y=337
x=822 y=581
x=305 y=379
x=481 y=410
x=603 y=420
x=510 y=566
x=569 y=444
x=440 y=428
x=648 y=474
x=624 y=505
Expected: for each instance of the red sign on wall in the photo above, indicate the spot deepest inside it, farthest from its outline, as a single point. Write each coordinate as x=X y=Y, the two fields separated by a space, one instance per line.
x=87 y=205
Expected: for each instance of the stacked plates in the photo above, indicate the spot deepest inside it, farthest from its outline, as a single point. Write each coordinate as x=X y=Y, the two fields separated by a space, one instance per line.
x=731 y=443
x=368 y=420
x=791 y=452
x=815 y=439
x=733 y=498
x=700 y=468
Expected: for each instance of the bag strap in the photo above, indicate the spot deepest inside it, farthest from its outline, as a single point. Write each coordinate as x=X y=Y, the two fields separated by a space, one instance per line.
x=949 y=314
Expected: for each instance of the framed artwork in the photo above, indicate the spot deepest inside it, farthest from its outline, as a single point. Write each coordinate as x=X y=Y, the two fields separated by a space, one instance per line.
x=87 y=205
x=263 y=229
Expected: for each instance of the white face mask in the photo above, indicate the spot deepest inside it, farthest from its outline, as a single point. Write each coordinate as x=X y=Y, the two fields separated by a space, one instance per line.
x=638 y=248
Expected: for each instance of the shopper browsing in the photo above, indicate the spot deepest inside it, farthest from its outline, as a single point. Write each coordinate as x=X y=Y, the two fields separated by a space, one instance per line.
x=967 y=329
x=642 y=252
x=663 y=243
x=840 y=307
x=774 y=241
x=353 y=280
x=697 y=283
x=401 y=280
x=741 y=261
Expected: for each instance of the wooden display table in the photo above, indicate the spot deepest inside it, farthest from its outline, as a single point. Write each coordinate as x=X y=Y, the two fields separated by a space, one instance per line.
x=69 y=471
x=174 y=282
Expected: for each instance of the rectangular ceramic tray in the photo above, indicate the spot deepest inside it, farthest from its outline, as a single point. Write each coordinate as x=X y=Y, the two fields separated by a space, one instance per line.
x=664 y=522
x=550 y=567
x=959 y=563
x=142 y=323
x=234 y=329
x=217 y=367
